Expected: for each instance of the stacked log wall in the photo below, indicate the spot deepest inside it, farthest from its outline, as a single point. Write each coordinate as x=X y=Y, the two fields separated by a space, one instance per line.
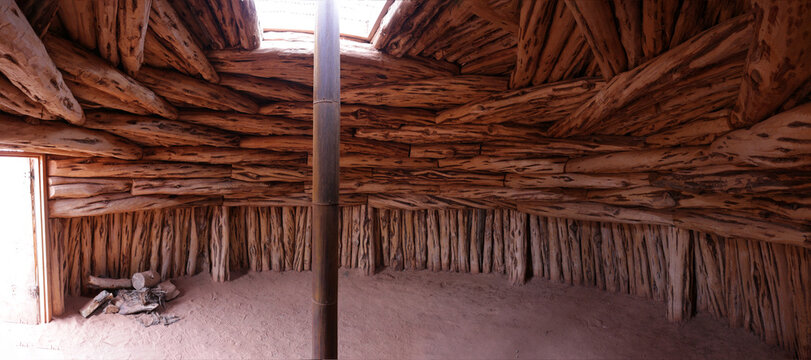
x=756 y=285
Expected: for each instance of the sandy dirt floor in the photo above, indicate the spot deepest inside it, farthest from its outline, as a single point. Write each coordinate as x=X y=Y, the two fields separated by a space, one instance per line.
x=390 y=315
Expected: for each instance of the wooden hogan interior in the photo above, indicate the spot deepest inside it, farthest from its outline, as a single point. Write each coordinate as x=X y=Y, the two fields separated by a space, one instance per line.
x=655 y=148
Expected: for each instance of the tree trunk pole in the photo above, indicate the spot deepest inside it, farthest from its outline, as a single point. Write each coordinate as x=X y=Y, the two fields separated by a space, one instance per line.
x=326 y=137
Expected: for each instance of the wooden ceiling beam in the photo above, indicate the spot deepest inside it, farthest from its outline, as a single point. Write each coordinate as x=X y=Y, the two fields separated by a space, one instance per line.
x=80 y=66
x=39 y=13
x=484 y=10
x=152 y=131
x=629 y=20
x=710 y=48
x=658 y=23
x=167 y=26
x=778 y=62
x=107 y=29
x=186 y=91
x=133 y=21
x=432 y=93
x=62 y=139
x=13 y=101
x=200 y=22
x=533 y=23
x=221 y=155
x=595 y=19
x=99 y=167
x=560 y=30
x=79 y=21
x=26 y=63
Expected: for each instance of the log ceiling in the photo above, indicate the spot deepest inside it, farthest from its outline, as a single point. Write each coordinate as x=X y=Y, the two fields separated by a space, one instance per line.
x=686 y=113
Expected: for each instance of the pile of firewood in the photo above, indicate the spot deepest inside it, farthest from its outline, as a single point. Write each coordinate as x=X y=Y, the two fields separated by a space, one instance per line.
x=141 y=295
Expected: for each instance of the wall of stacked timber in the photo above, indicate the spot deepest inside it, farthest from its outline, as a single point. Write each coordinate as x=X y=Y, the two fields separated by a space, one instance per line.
x=756 y=285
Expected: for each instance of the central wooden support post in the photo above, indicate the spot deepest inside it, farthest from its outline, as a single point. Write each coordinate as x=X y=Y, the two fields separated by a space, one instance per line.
x=326 y=151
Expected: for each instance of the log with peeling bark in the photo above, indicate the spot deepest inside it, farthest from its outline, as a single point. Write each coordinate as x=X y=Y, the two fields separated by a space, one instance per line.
x=777 y=65
x=74 y=188
x=117 y=203
x=726 y=41
x=734 y=183
x=248 y=123
x=354 y=115
x=133 y=19
x=153 y=131
x=289 y=56
x=14 y=101
x=533 y=23
x=82 y=67
x=607 y=181
x=219 y=155
x=542 y=103
x=104 y=167
x=596 y=21
x=88 y=309
x=26 y=63
x=429 y=93
x=505 y=164
x=184 y=90
x=107 y=29
x=145 y=279
x=62 y=139
x=105 y=283
x=781 y=141
x=700 y=131
x=590 y=211
x=666 y=159
x=267 y=89
x=207 y=187
x=166 y=24
x=645 y=196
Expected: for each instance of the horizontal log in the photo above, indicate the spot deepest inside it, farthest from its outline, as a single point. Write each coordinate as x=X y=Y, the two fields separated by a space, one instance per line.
x=645 y=196
x=543 y=103
x=105 y=283
x=731 y=225
x=781 y=141
x=14 y=101
x=93 y=98
x=444 y=133
x=25 y=62
x=434 y=177
x=796 y=207
x=607 y=181
x=153 y=131
x=375 y=161
x=370 y=186
x=219 y=155
x=705 y=50
x=183 y=90
x=508 y=193
x=74 y=188
x=354 y=115
x=734 y=183
x=589 y=211
x=443 y=150
x=206 y=187
x=267 y=89
x=564 y=147
x=506 y=164
x=292 y=199
x=103 y=167
x=647 y=160
x=115 y=203
x=265 y=173
x=305 y=144
x=427 y=202
x=432 y=93
x=80 y=66
x=62 y=139
x=248 y=123
x=289 y=56
x=701 y=131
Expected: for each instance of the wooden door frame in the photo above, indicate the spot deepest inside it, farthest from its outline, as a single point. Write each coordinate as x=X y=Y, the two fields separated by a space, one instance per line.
x=42 y=252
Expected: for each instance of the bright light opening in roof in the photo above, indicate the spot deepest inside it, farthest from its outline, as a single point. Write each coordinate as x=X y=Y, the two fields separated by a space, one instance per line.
x=357 y=17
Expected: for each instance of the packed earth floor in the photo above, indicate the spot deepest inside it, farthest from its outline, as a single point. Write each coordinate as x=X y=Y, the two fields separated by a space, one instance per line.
x=390 y=315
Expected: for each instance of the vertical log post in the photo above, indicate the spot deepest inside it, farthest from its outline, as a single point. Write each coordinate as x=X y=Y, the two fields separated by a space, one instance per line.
x=326 y=136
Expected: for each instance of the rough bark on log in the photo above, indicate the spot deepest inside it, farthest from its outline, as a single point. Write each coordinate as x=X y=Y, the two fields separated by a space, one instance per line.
x=562 y=147
x=145 y=279
x=542 y=103
x=505 y=165
x=658 y=20
x=93 y=98
x=596 y=22
x=450 y=133
x=734 y=183
x=248 y=123
x=220 y=156
x=88 y=309
x=152 y=131
x=700 y=131
x=533 y=23
x=731 y=224
x=425 y=93
x=115 y=203
x=726 y=40
x=187 y=91
x=354 y=115
x=220 y=269
x=168 y=26
x=169 y=289
x=629 y=23
x=105 y=283
x=560 y=29
x=646 y=196
x=679 y=274
x=107 y=30
x=133 y=20
x=63 y=139
x=73 y=188
x=40 y=13
x=608 y=181
x=82 y=67
x=595 y=212
x=14 y=101
x=267 y=89
x=26 y=63
x=776 y=66
x=647 y=160
x=104 y=167
x=781 y=141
